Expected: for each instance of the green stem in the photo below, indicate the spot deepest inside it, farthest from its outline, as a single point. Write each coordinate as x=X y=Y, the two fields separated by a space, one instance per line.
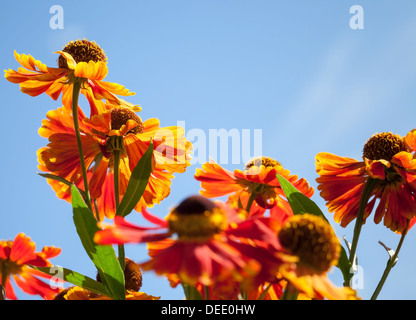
x=263 y=294
x=3 y=285
x=206 y=292
x=97 y=214
x=253 y=196
x=75 y=96
x=390 y=264
x=117 y=176
x=365 y=196
x=121 y=252
x=290 y=293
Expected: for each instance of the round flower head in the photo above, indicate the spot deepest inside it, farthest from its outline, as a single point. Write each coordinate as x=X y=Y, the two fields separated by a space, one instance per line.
x=197 y=218
x=15 y=258
x=312 y=241
x=199 y=242
x=256 y=188
x=388 y=160
x=79 y=60
x=117 y=128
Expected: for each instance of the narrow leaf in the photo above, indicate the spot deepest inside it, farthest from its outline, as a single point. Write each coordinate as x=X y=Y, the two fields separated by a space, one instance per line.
x=137 y=183
x=298 y=201
x=191 y=293
x=73 y=277
x=63 y=180
x=345 y=267
x=103 y=256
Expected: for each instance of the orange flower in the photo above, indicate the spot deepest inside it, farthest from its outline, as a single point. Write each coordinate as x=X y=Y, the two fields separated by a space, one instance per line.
x=79 y=60
x=200 y=242
x=387 y=159
x=257 y=180
x=117 y=128
x=15 y=258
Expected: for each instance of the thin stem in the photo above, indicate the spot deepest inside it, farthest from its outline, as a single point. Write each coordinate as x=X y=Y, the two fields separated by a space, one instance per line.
x=365 y=196
x=97 y=214
x=3 y=285
x=121 y=252
x=253 y=196
x=206 y=292
x=116 y=177
x=263 y=294
x=75 y=96
x=121 y=256
x=390 y=264
x=290 y=293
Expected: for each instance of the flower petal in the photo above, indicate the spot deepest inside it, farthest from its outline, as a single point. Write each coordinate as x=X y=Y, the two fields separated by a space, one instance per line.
x=91 y=70
x=23 y=249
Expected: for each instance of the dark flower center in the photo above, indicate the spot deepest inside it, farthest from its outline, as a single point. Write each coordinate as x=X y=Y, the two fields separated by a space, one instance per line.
x=262 y=161
x=312 y=240
x=82 y=51
x=194 y=205
x=383 y=146
x=120 y=116
x=197 y=219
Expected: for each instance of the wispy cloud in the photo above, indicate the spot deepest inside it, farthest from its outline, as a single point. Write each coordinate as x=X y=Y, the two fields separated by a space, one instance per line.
x=352 y=89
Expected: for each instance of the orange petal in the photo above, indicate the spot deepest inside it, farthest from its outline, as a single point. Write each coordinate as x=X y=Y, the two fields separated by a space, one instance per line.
x=376 y=169
x=410 y=139
x=69 y=59
x=91 y=70
x=216 y=181
x=23 y=249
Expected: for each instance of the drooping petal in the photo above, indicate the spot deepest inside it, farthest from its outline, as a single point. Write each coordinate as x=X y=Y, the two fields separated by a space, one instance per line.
x=125 y=232
x=33 y=285
x=215 y=180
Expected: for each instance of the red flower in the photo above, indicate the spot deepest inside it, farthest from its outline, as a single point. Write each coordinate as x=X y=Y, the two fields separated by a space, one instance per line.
x=15 y=258
x=256 y=186
x=209 y=243
x=389 y=161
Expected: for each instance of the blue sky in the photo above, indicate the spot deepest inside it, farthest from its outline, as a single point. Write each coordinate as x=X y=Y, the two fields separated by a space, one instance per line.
x=294 y=69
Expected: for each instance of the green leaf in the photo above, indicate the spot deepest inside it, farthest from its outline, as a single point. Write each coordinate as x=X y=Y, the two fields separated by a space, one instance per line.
x=190 y=292
x=73 y=277
x=299 y=203
x=137 y=183
x=103 y=256
x=345 y=266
